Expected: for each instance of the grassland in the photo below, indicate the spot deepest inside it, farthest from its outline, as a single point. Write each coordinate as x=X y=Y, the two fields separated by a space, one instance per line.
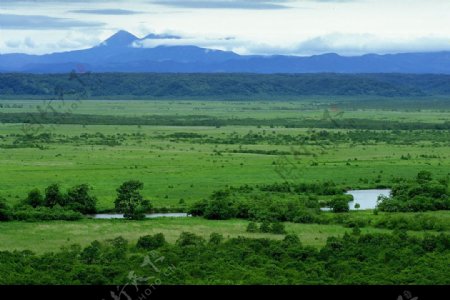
x=173 y=169
x=179 y=171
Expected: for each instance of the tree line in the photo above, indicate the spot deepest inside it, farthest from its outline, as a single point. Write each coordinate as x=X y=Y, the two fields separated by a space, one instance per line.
x=354 y=258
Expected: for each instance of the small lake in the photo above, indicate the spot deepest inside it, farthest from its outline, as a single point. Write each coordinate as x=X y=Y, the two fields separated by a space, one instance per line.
x=150 y=216
x=367 y=199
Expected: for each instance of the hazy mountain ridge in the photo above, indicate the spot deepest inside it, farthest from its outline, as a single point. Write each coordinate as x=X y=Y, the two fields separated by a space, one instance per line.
x=122 y=53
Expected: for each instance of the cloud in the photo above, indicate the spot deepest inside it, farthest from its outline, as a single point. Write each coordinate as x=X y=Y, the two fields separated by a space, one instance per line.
x=25 y=43
x=358 y=44
x=33 y=22
x=225 y=4
x=343 y=44
x=105 y=11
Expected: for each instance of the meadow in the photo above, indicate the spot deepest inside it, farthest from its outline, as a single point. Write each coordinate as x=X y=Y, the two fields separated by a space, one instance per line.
x=177 y=167
x=180 y=165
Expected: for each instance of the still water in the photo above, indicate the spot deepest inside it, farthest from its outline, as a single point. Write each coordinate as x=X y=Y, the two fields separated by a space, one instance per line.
x=151 y=216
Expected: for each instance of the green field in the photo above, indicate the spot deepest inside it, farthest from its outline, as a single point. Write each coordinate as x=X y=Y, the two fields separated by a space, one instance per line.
x=187 y=155
x=189 y=169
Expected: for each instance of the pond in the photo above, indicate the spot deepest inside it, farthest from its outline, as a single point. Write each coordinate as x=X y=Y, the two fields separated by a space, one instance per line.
x=367 y=199
x=150 y=216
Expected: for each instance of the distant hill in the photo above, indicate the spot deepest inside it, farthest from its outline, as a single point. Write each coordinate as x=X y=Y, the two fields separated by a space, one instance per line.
x=122 y=53
x=218 y=86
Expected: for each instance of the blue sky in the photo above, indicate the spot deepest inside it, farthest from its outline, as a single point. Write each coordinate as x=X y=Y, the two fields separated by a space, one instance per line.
x=295 y=27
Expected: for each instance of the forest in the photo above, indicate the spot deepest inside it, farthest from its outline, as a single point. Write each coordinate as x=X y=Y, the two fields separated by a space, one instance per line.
x=217 y=86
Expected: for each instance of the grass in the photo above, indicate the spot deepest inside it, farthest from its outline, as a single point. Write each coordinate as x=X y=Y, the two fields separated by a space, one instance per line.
x=43 y=237
x=174 y=169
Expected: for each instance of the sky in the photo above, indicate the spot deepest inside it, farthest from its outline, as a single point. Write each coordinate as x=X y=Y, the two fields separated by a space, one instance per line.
x=268 y=27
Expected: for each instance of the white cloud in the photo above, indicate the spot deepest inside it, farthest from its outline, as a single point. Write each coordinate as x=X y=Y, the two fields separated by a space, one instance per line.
x=306 y=27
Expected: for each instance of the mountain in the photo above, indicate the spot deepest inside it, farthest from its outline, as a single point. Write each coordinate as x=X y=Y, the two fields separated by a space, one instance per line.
x=123 y=52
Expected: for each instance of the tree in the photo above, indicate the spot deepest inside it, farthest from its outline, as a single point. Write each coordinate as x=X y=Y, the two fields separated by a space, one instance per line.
x=129 y=200
x=79 y=199
x=357 y=206
x=34 y=198
x=53 y=196
x=339 y=204
x=221 y=206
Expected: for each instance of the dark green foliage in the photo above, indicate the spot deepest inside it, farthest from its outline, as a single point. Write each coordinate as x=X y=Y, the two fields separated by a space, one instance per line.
x=221 y=206
x=205 y=120
x=34 y=198
x=424 y=176
x=53 y=196
x=151 y=242
x=422 y=194
x=221 y=86
x=55 y=205
x=91 y=254
x=339 y=204
x=380 y=259
x=416 y=222
x=215 y=238
x=252 y=227
x=129 y=200
x=4 y=210
x=278 y=228
x=265 y=227
x=266 y=202
x=42 y=213
x=291 y=240
x=79 y=199
x=189 y=239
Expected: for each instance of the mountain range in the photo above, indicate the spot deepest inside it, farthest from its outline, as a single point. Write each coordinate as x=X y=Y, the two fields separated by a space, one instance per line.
x=119 y=53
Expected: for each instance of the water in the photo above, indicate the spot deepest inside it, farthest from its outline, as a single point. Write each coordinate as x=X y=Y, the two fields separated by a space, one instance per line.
x=150 y=216
x=367 y=199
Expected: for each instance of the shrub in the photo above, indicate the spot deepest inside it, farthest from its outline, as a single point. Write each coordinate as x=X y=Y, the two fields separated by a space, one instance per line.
x=278 y=228
x=53 y=196
x=79 y=199
x=252 y=227
x=34 y=198
x=220 y=207
x=150 y=242
x=28 y=213
x=339 y=204
x=189 y=239
x=4 y=210
x=215 y=238
x=265 y=227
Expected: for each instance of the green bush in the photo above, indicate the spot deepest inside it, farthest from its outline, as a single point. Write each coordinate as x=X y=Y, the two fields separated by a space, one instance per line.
x=79 y=199
x=150 y=242
x=28 y=213
x=265 y=227
x=339 y=204
x=277 y=228
x=4 y=210
x=252 y=227
x=189 y=239
x=215 y=238
x=34 y=198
